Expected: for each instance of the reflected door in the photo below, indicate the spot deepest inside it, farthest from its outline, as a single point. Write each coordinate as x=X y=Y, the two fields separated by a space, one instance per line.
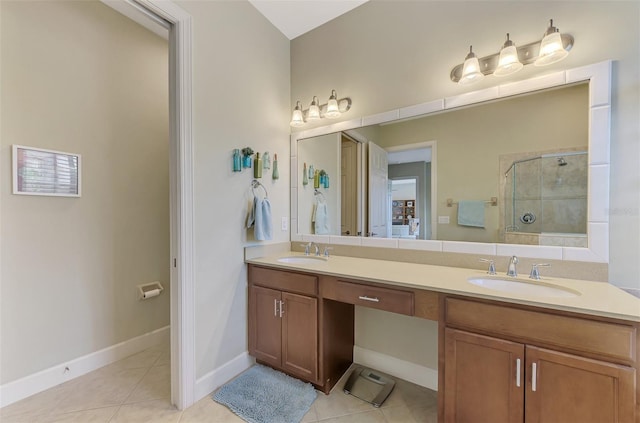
x=378 y=172
x=349 y=187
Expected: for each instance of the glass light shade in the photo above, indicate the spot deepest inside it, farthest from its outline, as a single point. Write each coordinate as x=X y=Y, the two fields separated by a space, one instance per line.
x=333 y=111
x=471 y=70
x=551 y=50
x=314 y=110
x=508 y=62
x=296 y=118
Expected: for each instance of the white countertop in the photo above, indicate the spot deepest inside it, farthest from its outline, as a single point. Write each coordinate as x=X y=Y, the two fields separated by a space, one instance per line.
x=596 y=298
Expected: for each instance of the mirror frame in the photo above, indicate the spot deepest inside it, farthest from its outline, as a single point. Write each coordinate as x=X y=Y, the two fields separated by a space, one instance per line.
x=599 y=77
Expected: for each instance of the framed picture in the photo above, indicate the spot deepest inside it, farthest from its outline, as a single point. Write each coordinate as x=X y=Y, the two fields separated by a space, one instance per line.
x=46 y=172
x=409 y=203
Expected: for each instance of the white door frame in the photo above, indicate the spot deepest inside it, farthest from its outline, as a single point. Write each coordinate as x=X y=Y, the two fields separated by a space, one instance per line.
x=183 y=374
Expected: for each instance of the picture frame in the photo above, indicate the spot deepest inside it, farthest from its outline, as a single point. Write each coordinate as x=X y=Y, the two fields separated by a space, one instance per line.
x=38 y=171
x=409 y=203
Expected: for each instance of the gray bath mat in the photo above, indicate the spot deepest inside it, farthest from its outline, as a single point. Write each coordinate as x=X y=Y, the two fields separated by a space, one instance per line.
x=264 y=395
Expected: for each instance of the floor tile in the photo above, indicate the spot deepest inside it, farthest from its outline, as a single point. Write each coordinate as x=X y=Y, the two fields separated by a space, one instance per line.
x=339 y=404
x=424 y=413
x=42 y=403
x=137 y=389
x=158 y=411
x=207 y=411
x=144 y=359
x=98 y=415
x=372 y=416
x=156 y=384
x=99 y=389
x=400 y=414
x=312 y=415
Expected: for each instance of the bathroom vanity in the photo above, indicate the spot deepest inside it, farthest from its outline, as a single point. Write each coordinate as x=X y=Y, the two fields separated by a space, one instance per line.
x=548 y=358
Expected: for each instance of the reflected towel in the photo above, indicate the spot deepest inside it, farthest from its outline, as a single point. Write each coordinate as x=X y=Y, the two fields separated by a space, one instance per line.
x=471 y=213
x=263 y=229
x=321 y=218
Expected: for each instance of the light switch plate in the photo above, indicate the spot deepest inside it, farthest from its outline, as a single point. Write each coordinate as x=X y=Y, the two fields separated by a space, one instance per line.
x=284 y=224
x=444 y=220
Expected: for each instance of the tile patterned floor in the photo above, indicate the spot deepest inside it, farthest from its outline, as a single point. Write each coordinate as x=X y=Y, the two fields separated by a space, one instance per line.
x=137 y=389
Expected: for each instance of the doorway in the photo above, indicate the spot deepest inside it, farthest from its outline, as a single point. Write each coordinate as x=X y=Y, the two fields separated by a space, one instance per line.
x=414 y=162
x=178 y=22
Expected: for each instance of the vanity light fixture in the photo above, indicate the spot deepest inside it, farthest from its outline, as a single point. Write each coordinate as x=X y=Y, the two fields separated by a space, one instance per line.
x=314 y=110
x=297 y=118
x=332 y=106
x=332 y=109
x=553 y=47
x=508 y=62
x=471 y=69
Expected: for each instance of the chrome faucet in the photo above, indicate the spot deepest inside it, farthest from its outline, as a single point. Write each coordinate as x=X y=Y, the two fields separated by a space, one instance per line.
x=535 y=272
x=307 y=249
x=511 y=270
x=492 y=266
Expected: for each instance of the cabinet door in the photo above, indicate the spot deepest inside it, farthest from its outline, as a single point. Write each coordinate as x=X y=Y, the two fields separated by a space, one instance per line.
x=265 y=328
x=300 y=336
x=567 y=388
x=484 y=379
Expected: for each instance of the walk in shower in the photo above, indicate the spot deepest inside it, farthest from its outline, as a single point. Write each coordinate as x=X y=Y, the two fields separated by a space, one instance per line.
x=546 y=200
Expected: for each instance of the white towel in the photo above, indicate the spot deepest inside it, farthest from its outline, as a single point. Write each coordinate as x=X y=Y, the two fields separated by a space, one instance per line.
x=471 y=213
x=263 y=230
x=321 y=218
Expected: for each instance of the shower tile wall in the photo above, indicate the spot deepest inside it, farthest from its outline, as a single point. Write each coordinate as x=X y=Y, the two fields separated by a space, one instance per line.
x=527 y=195
x=564 y=194
x=556 y=195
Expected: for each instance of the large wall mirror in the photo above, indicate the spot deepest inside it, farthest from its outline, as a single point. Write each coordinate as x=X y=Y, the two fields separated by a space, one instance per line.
x=522 y=168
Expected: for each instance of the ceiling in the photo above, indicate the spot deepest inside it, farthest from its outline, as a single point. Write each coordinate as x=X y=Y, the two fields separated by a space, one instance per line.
x=296 y=17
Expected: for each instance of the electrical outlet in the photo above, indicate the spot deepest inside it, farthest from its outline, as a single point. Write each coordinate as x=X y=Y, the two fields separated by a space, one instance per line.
x=284 y=224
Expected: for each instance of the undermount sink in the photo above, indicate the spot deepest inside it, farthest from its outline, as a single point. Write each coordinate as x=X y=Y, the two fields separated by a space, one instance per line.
x=514 y=286
x=303 y=259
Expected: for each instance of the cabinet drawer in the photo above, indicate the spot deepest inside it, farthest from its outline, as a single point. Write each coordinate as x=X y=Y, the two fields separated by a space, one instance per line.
x=285 y=281
x=608 y=340
x=388 y=299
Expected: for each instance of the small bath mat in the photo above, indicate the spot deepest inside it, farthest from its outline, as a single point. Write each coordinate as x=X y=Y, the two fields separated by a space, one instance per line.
x=264 y=395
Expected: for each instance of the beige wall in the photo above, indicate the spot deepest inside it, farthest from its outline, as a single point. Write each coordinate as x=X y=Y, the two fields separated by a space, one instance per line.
x=386 y=55
x=79 y=77
x=240 y=98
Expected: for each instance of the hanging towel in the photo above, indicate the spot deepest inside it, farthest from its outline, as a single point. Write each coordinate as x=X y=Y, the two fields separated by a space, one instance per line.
x=471 y=213
x=321 y=218
x=263 y=229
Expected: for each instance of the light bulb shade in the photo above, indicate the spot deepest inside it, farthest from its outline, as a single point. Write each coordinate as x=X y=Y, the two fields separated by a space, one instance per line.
x=314 y=110
x=333 y=111
x=551 y=50
x=471 y=70
x=296 y=118
x=508 y=62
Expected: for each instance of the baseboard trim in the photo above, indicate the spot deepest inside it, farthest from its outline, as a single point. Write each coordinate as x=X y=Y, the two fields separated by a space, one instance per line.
x=218 y=377
x=415 y=373
x=55 y=375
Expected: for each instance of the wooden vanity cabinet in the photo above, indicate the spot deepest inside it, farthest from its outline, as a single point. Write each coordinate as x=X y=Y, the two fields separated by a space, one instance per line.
x=536 y=371
x=283 y=325
x=293 y=329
